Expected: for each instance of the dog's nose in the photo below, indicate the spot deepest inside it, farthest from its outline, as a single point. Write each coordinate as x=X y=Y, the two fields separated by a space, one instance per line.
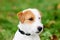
x=39 y=28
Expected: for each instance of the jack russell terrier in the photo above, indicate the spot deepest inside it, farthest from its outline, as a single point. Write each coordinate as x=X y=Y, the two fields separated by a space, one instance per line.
x=30 y=25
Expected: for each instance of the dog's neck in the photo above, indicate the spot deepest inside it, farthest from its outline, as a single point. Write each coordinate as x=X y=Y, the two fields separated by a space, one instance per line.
x=25 y=32
x=22 y=32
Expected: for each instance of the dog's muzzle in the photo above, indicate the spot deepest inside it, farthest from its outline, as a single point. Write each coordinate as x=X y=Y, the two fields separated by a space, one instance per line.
x=39 y=29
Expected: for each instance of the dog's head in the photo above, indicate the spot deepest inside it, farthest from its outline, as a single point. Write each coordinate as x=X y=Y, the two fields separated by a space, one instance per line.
x=30 y=21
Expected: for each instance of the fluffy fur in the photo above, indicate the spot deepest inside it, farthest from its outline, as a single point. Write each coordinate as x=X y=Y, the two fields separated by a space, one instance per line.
x=28 y=27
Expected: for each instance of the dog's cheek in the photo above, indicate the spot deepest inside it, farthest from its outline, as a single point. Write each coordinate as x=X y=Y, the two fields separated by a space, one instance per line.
x=28 y=22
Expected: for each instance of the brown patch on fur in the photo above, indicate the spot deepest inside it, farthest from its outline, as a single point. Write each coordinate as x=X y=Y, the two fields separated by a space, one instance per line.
x=29 y=17
x=26 y=17
x=21 y=17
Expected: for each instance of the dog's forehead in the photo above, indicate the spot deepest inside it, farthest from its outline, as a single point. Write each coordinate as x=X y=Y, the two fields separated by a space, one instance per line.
x=34 y=11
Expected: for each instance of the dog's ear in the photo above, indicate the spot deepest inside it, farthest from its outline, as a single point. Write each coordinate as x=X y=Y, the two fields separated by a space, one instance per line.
x=21 y=17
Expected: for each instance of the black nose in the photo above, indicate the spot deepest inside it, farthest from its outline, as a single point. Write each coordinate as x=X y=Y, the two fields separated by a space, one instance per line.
x=39 y=28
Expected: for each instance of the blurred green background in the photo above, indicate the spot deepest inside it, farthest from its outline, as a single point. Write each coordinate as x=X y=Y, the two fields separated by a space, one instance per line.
x=50 y=17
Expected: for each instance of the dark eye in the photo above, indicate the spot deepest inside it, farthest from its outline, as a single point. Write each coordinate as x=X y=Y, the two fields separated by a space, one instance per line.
x=39 y=17
x=31 y=19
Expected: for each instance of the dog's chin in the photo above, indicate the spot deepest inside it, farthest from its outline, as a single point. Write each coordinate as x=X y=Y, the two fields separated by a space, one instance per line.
x=38 y=32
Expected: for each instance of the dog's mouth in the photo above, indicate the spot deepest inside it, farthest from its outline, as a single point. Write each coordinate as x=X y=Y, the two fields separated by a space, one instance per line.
x=38 y=32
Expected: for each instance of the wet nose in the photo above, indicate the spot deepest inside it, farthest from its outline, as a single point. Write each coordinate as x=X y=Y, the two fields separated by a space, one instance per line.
x=39 y=28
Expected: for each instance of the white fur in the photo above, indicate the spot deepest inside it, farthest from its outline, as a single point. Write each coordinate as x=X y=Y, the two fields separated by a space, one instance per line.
x=29 y=28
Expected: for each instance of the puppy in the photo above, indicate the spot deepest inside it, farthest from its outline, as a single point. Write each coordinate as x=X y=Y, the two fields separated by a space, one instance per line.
x=30 y=25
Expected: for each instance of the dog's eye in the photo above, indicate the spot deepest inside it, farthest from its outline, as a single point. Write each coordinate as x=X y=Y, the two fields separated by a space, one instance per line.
x=39 y=17
x=31 y=19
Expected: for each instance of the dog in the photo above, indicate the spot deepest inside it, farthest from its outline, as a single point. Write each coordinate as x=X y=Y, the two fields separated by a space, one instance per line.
x=29 y=26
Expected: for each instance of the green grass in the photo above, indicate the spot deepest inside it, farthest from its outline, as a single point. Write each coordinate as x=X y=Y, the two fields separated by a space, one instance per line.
x=50 y=17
